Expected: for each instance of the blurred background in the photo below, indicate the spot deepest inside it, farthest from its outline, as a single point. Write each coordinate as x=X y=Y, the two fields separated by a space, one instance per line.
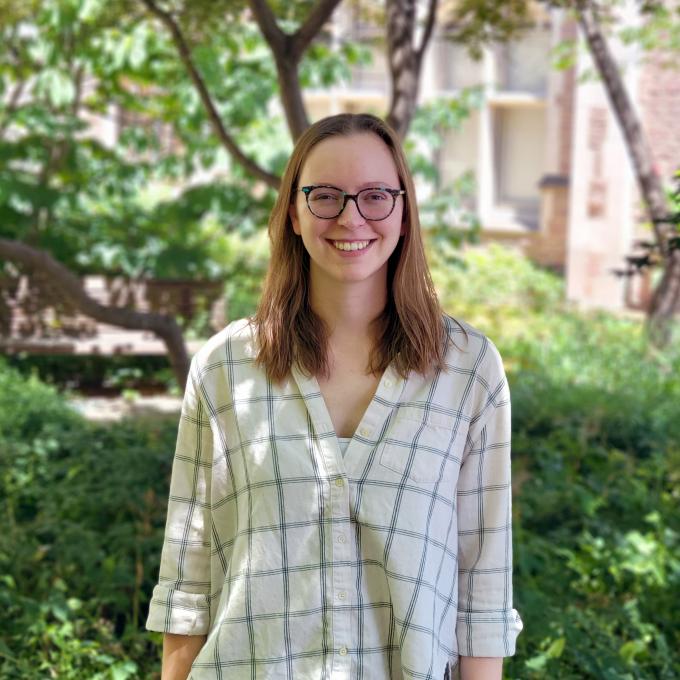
x=141 y=145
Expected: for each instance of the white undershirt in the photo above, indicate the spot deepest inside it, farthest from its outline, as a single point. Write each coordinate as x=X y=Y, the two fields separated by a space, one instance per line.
x=344 y=443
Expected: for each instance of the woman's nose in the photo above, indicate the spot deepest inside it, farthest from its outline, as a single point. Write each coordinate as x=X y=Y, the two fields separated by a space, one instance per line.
x=350 y=216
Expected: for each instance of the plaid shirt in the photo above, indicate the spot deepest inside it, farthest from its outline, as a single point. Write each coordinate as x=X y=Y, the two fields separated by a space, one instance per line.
x=299 y=563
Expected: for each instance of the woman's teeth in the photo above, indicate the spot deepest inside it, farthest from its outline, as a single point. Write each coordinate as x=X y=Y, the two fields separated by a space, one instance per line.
x=350 y=245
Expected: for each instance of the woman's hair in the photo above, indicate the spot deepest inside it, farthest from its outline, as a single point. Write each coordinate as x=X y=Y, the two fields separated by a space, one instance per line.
x=410 y=332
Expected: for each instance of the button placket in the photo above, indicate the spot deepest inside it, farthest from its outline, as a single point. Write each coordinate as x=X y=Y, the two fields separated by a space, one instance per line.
x=341 y=577
x=337 y=509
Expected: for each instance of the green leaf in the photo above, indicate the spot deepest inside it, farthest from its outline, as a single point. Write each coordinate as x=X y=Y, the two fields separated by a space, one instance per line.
x=556 y=648
x=58 y=86
x=123 y=670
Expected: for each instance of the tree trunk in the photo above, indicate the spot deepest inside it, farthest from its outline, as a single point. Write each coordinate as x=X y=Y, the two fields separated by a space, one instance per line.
x=288 y=50
x=291 y=95
x=665 y=301
x=405 y=59
x=667 y=294
x=68 y=286
x=401 y=16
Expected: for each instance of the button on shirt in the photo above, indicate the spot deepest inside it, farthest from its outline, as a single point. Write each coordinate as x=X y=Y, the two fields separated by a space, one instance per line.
x=299 y=562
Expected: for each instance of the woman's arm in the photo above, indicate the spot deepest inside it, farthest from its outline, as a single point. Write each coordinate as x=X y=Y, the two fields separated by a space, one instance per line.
x=180 y=604
x=479 y=668
x=179 y=652
x=487 y=624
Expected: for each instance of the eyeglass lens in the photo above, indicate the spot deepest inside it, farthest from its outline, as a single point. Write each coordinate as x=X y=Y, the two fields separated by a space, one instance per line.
x=373 y=204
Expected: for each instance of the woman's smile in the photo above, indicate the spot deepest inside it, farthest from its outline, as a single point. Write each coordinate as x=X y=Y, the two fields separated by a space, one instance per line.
x=354 y=247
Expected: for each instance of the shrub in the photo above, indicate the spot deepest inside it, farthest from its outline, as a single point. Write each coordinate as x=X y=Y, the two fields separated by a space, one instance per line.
x=596 y=472
x=83 y=508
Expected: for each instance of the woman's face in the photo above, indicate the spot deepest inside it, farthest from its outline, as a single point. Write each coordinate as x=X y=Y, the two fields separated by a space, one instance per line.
x=349 y=248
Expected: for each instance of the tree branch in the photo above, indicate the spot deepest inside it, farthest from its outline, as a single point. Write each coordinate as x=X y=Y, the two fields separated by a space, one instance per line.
x=319 y=15
x=275 y=37
x=403 y=63
x=288 y=50
x=281 y=45
x=427 y=31
x=639 y=150
x=214 y=117
x=11 y=106
x=69 y=287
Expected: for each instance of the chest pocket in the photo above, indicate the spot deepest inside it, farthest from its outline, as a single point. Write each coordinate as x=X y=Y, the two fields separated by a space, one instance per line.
x=424 y=453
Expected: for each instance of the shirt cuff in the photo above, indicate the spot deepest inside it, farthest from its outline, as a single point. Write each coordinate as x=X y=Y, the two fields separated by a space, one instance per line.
x=174 y=611
x=488 y=633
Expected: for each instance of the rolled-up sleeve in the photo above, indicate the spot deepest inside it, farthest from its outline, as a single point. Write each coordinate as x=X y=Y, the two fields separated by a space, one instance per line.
x=487 y=624
x=181 y=601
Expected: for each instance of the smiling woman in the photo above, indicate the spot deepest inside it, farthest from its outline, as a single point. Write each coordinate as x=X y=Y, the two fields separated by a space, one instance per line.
x=340 y=496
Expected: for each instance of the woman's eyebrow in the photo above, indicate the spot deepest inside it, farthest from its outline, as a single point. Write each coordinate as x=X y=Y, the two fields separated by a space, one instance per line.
x=364 y=185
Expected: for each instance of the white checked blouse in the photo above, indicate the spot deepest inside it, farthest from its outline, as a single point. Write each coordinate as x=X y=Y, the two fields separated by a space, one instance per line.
x=299 y=563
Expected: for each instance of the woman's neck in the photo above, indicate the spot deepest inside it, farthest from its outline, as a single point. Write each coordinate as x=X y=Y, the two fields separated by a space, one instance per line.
x=349 y=310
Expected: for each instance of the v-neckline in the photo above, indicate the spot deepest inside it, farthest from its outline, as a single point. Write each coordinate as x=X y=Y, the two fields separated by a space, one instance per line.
x=386 y=394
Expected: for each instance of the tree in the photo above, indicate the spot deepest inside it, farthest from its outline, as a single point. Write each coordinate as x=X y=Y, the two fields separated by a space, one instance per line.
x=288 y=49
x=68 y=202
x=69 y=286
x=71 y=204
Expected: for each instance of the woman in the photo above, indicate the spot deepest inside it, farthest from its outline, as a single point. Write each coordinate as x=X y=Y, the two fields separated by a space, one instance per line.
x=340 y=496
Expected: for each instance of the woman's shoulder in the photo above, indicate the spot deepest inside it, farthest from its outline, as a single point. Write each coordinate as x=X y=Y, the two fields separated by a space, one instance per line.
x=468 y=346
x=235 y=342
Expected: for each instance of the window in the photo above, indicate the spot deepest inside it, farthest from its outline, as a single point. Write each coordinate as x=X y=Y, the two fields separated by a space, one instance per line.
x=519 y=151
x=523 y=65
x=454 y=68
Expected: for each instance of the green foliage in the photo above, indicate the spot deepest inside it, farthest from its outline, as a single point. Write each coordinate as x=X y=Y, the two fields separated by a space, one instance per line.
x=596 y=455
x=659 y=32
x=324 y=66
x=247 y=261
x=83 y=511
x=155 y=194
x=480 y=22
x=97 y=373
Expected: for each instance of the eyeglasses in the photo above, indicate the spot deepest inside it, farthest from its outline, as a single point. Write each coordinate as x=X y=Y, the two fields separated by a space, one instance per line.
x=374 y=204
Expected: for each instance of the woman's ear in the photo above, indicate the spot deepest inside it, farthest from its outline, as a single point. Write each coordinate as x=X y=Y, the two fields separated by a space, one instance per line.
x=292 y=213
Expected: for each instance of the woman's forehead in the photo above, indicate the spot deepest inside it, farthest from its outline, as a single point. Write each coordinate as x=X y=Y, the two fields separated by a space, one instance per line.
x=356 y=158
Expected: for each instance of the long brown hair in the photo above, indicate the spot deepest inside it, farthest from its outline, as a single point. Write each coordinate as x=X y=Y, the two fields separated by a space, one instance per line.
x=410 y=332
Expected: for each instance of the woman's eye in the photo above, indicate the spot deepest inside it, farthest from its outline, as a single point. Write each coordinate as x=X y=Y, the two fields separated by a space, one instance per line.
x=376 y=196
x=324 y=197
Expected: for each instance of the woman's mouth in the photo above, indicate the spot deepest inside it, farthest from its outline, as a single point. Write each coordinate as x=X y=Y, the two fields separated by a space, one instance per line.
x=351 y=245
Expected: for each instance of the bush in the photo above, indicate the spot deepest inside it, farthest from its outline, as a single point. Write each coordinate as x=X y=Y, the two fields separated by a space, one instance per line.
x=596 y=472
x=84 y=509
x=96 y=373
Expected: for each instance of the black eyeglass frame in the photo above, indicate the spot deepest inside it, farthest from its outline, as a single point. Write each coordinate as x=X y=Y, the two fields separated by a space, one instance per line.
x=392 y=192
